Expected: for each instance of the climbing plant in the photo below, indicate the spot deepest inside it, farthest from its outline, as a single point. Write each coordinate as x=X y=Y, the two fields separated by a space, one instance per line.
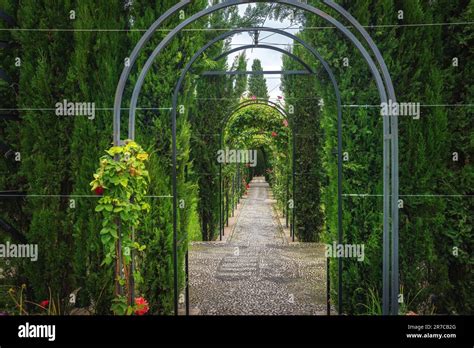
x=122 y=181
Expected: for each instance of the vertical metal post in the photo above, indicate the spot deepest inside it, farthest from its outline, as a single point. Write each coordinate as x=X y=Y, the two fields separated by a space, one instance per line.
x=175 y=209
x=220 y=199
x=221 y=183
x=328 y=286
x=239 y=182
x=223 y=205
x=120 y=260
x=287 y=208
x=186 y=269
x=227 y=207
x=132 y=270
x=386 y=218
x=339 y=196
x=395 y=184
x=233 y=194
x=293 y=217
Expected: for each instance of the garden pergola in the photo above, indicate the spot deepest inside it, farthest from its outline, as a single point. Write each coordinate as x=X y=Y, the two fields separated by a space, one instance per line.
x=386 y=92
x=309 y=71
x=337 y=93
x=243 y=105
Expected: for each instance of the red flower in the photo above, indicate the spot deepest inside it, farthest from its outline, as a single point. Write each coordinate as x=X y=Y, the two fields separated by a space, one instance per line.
x=99 y=191
x=285 y=123
x=248 y=186
x=274 y=134
x=254 y=97
x=141 y=305
x=44 y=304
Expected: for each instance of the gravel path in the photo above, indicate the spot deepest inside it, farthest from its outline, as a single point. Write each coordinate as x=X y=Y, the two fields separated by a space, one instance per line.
x=256 y=272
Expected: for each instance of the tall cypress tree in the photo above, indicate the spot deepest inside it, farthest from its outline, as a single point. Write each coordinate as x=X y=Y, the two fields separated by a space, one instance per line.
x=257 y=83
x=241 y=81
x=12 y=221
x=457 y=240
x=96 y=65
x=208 y=111
x=428 y=228
x=45 y=144
x=301 y=96
x=423 y=153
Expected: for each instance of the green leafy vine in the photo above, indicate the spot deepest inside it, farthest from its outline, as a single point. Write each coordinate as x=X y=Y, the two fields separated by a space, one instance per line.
x=122 y=182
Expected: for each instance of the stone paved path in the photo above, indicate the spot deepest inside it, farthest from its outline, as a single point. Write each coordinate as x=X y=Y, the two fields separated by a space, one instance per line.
x=256 y=272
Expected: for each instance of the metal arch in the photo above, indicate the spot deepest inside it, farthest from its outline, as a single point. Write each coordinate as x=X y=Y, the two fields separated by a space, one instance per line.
x=164 y=43
x=132 y=60
x=388 y=137
x=388 y=143
x=246 y=105
x=282 y=112
x=262 y=102
x=268 y=47
x=220 y=38
x=250 y=102
x=339 y=131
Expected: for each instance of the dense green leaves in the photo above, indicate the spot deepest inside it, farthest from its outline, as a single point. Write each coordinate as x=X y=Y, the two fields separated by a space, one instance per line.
x=419 y=59
x=430 y=64
x=257 y=82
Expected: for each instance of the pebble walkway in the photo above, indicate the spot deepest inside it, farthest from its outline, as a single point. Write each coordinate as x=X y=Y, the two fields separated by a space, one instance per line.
x=256 y=272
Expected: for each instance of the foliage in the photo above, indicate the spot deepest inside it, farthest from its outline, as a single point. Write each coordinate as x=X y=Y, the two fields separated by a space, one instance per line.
x=257 y=83
x=120 y=306
x=304 y=99
x=102 y=52
x=52 y=306
x=429 y=226
x=122 y=180
x=260 y=127
x=45 y=146
x=154 y=133
x=241 y=81
x=59 y=154
x=215 y=97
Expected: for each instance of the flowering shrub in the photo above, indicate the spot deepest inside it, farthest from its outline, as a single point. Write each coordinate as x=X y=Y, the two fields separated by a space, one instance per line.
x=120 y=306
x=122 y=181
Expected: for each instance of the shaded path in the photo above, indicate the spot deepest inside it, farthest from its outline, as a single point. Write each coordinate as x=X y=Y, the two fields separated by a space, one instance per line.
x=256 y=271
